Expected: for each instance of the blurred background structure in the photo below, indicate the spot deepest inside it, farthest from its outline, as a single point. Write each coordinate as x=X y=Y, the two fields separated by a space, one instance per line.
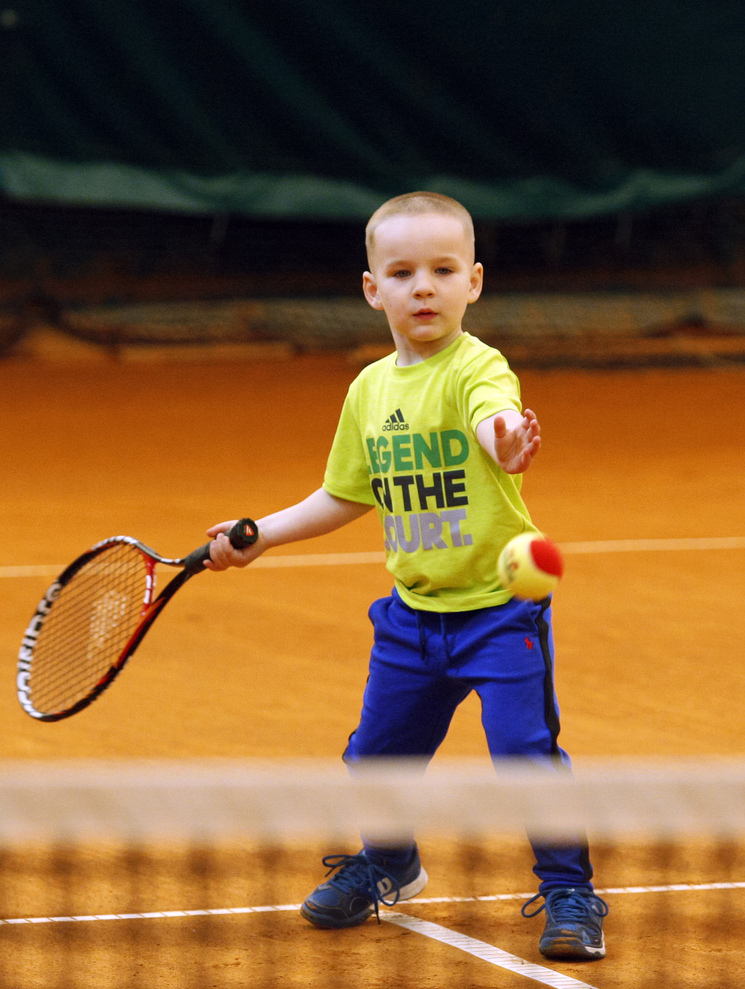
x=158 y=153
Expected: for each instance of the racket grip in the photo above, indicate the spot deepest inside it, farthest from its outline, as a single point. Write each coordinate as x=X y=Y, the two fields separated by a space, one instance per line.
x=244 y=533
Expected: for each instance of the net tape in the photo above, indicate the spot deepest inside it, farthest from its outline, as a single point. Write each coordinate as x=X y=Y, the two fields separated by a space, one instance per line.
x=218 y=799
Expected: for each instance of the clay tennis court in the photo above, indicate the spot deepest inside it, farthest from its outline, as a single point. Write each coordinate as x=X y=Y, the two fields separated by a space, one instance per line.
x=641 y=482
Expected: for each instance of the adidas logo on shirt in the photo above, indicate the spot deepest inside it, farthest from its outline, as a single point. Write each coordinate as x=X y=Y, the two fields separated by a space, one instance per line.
x=395 y=422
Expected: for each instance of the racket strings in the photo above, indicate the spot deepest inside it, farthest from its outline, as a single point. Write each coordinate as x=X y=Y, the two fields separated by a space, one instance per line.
x=89 y=626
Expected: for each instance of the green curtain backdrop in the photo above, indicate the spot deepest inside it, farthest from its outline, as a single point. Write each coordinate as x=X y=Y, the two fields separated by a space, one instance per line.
x=321 y=109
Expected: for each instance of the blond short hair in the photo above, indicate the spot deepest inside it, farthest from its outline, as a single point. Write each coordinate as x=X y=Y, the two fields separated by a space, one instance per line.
x=417 y=204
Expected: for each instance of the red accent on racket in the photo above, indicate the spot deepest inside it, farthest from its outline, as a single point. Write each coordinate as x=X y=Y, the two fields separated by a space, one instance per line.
x=93 y=618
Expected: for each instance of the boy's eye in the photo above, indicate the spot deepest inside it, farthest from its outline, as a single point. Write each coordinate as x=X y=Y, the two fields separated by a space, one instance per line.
x=401 y=273
x=443 y=271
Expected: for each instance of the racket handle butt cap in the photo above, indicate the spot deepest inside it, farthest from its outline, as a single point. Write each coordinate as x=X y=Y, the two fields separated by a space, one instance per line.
x=244 y=533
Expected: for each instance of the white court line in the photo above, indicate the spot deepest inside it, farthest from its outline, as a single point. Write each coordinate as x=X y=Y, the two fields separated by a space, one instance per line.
x=670 y=888
x=655 y=545
x=152 y=915
x=487 y=952
x=419 y=900
x=702 y=543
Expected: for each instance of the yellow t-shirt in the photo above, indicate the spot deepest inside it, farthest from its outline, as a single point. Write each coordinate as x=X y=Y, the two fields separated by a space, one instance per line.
x=406 y=443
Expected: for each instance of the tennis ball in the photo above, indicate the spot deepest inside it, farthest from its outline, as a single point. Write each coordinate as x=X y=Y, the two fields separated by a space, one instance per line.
x=530 y=566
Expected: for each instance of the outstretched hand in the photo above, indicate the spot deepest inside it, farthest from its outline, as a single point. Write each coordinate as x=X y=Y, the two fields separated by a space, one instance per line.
x=516 y=442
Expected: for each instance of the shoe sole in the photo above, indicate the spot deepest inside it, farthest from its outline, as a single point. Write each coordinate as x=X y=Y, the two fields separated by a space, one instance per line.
x=326 y=925
x=571 y=949
x=414 y=887
x=405 y=893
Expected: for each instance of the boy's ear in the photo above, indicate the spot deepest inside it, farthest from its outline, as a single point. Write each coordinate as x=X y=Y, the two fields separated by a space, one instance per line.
x=477 y=281
x=370 y=288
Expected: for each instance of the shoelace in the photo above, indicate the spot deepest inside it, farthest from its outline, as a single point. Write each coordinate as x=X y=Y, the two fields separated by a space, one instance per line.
x=569 y=905
x=357 y=871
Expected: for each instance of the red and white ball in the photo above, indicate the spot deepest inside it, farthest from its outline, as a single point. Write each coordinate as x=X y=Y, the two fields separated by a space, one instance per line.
x=530 y=566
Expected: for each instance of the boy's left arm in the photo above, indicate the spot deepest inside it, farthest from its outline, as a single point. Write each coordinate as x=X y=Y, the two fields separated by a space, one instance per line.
x=511 y=439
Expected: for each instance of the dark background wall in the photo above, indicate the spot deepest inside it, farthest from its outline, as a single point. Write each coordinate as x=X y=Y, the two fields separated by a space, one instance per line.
x=229 y=137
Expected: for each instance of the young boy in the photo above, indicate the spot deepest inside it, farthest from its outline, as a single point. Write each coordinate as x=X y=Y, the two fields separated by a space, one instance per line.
x=434 y=438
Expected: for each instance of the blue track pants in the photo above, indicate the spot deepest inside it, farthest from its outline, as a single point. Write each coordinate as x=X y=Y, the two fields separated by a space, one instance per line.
x=423 y=664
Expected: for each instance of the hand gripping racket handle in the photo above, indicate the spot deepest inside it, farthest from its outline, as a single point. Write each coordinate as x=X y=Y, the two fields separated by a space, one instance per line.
x=244 y=533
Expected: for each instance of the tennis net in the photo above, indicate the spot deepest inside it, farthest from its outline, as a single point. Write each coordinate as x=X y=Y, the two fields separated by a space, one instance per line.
x=191 y=874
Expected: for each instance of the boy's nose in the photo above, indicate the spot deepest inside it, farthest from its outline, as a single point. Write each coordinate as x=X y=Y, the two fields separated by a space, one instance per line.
x=423 y=286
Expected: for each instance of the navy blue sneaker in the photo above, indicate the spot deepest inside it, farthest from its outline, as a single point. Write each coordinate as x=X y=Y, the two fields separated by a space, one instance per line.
x=574 y=924
x=358 y=887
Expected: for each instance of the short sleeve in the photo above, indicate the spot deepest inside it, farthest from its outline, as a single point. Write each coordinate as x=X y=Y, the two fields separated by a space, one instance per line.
x=488 y=386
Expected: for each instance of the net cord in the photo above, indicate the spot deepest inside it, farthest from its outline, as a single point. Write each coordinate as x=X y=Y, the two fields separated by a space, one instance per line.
x=218 y=799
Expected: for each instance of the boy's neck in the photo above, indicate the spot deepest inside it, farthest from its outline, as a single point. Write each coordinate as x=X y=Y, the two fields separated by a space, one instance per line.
x=410 y=352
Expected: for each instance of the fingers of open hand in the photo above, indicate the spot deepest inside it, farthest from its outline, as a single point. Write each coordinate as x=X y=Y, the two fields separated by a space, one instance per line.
x=516 y=451
x=531 y=437
x=531 y=424
x=531 y=448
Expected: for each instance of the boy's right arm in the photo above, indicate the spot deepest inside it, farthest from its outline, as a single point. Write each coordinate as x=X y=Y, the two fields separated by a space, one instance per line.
x=318 y=514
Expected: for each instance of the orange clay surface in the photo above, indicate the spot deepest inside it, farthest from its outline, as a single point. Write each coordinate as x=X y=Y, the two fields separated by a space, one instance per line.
x=271 y=662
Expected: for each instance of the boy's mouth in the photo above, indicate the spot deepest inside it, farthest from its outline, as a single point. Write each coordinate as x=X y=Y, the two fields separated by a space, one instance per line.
x=425 y=312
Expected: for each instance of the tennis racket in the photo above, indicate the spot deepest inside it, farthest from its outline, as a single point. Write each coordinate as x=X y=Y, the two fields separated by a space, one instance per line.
x=94 y=616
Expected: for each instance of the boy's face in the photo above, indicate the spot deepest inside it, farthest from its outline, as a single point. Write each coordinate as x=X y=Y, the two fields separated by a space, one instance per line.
x=422 y=274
